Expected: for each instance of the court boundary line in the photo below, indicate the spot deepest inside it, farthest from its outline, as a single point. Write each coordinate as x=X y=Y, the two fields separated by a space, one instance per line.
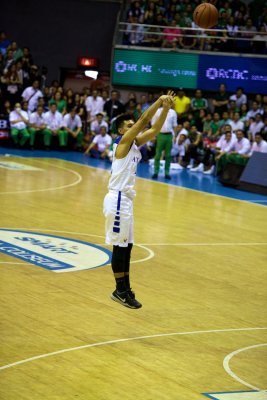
x=122 y=340
x=227 y=368
x=170 y=184
x=52 y=188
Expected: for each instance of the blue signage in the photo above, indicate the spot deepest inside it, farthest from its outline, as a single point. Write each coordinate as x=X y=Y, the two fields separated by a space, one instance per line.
x=247 y=72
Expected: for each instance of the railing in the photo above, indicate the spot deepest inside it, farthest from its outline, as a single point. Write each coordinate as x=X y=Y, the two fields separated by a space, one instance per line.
x=243 y=41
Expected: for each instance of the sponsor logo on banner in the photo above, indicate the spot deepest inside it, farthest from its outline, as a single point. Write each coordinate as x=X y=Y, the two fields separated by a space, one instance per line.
x=55 y=253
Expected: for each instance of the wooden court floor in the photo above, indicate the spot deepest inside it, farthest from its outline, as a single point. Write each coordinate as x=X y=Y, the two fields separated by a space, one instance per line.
x=199 y=268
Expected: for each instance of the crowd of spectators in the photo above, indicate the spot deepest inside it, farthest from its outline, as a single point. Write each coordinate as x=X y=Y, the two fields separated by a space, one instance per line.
x=35 y=114
x=169 y=24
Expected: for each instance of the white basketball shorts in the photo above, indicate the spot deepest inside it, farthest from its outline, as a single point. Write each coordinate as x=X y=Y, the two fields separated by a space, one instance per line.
x=118 y=210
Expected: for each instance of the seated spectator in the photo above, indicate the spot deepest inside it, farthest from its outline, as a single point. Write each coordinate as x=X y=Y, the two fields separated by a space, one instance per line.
x=54 y=127
x=255 y=109
x=19 y=120
x=134 y=33
x=69 y=98
x=4 y=42
x=220 y=100
x=171 y=35
x=27 y=59
x=198 y=103
x=188 y=40
x=135 y=10
x=60 y=102
x=150 y=13
x=31 y=94
x=242 y=144
x=22 y=75
x=215 y=128
x=260 y=41
x=25 y=107
x=255 y=125
x=99 y=148
x=12 y=84
x=94 y=104
x=232 y=32
x=179 y=149
x=72 y=123
x=195 y=150
x=113 y=107
x=8 y=61
x=259 y=144
x=248 y=31
x=98 y=123
x=17 y=52
x=131 y=109
x=239 y=97
x=207 y=123
x=146 y=101
x=236 y=123
x=37 y=125
x=224 y=121
x=181 y=104
x=232 y=108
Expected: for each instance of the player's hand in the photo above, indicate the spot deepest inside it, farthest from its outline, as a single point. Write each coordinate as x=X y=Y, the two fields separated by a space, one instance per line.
x=167 y=102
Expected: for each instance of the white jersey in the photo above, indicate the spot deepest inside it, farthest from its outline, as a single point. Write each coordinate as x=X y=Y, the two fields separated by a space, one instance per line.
x=123 y=171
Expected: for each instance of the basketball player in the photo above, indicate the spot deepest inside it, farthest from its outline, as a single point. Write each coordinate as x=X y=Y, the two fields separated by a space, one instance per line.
x=118 y=203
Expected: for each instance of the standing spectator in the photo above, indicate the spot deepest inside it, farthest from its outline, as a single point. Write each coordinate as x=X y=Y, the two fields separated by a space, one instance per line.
x=31 y=94
x=37 y=124
x=181 y=105
x=54 y=124
x=99 y=148
x=220 y=100
x=114 y=107
x=18 y=123
x=69 y=98
x=164 y=141
x=94 y=104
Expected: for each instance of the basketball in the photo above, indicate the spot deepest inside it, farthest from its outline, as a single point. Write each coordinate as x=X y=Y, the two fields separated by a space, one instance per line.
x=206 y=15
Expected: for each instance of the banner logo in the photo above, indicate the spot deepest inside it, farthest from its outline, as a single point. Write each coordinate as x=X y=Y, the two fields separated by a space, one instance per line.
x=55 y=253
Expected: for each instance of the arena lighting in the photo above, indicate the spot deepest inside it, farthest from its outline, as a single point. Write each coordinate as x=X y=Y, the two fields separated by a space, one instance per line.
x=91 y=74
x=89 y=62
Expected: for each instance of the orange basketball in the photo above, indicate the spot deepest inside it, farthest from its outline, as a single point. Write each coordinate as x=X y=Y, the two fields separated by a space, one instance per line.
x=206 y=15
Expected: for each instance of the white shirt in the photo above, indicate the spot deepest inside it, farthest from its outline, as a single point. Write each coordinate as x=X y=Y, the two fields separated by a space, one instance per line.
x=261 y=147
x=102 y=141
x=255 y=127
x=252 y=113
x=94 y=106
x=239 y=125
x=37 y=119
x=95 y=126
x=242 y=146
x=239 y=100
x=32 y=95
x=226 y=146
x=185 y=132
x=53 y=121
x=170 y=121
x=72 y=123
x=123 y=171
x=13 y=116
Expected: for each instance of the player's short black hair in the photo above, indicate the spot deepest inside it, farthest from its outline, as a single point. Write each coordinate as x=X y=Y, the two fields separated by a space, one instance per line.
x=120 y=120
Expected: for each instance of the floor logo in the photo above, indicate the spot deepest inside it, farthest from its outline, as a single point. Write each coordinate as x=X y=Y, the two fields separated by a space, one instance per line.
x=18 y=166
x=58 y=254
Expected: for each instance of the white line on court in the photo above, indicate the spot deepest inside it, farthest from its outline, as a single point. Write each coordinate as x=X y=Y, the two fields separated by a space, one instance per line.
x=109 y=342
x=179 y=187
x=227 y=368
x=206 y=244
x=76 y=182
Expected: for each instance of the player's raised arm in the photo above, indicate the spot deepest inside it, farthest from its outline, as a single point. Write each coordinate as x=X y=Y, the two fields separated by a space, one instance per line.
x=156 y=127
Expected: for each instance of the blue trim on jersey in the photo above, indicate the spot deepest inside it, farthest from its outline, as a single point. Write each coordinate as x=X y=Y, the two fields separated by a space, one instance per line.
x=119 y=201
x=118 y=139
